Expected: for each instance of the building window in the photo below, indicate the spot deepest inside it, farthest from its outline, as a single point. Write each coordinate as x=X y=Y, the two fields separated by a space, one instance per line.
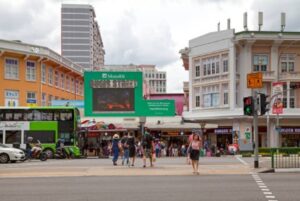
x=62 y=80
x=211 y=96
x=31 y=97
x=30 y=71
x=11 y=98
x=11 y=69
x=67 y=83
x=217 y=68
x=50 y=98
x=72 y=85
x=213 y=68
x=225 y=66
x=43 y=73
x=197 y=71
x=204 y=69
x=50 y=76
x=225 y=101
x=76 y=87
x=197 y=101
x=44 y=101
x=56 y=78
x=260 y=62
x=287 y=63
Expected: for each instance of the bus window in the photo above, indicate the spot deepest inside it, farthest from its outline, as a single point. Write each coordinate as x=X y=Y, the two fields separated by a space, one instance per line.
x=1 y=115
x=56 y=116
x=13 y=137
x=66 y=115
x=68 y=138
x=18 y=115
x=1 y=136
x=37 y=116
x=42 y=136
x=29 y=115
x=8 y=115
x=47 y=115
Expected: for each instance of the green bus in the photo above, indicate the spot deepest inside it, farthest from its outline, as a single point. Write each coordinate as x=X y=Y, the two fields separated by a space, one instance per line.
x=46 y=124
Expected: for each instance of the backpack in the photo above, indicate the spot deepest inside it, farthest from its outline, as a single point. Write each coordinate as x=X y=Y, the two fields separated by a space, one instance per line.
x=146 y=140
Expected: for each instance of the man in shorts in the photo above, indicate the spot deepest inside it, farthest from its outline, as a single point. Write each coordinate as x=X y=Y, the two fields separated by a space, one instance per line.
x=147 y=147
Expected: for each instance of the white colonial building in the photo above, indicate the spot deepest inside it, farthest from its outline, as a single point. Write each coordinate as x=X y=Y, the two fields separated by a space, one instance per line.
x=218 y=64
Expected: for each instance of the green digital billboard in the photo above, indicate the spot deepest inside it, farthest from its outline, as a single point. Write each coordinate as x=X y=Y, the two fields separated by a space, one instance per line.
x=121 y=94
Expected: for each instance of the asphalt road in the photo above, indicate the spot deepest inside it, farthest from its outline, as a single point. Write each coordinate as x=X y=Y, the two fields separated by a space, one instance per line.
x=141 y=188
x=211 y=185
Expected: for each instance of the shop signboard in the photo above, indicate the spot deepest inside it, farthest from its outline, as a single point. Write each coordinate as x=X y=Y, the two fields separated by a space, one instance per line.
x=118 y=94
x=277 y=91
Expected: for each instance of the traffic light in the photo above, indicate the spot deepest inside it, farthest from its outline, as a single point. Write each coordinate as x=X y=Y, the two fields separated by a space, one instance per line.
x=263 y=104
x=248 y=106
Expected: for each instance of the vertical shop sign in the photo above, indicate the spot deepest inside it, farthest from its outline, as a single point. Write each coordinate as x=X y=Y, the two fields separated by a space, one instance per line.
x=277 y=91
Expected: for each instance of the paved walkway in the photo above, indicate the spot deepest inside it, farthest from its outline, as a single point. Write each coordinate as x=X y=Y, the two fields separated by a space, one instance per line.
x=103 y=167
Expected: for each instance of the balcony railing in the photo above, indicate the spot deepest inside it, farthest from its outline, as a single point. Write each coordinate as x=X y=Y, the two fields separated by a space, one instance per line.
x=214 y=78
x=293 y=76
x=268 y=75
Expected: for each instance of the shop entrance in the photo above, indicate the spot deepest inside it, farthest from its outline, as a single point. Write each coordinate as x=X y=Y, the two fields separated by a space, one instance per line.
x=173 y=145
x=223 y=140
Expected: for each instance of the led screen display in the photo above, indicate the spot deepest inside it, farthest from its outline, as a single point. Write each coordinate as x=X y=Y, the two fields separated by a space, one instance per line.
x=113 y=99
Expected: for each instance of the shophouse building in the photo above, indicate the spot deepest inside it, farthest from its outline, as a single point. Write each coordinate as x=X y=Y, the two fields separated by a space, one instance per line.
x=218 y=64
x=32 y=75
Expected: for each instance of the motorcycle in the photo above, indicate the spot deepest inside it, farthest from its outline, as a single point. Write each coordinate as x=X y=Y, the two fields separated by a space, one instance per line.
x=35 y=153
x=63 y=153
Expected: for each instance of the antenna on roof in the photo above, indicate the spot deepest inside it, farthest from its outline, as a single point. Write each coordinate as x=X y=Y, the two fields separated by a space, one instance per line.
x=228 y=23
x=282 y=21
x=260 y=20
x=245 y=22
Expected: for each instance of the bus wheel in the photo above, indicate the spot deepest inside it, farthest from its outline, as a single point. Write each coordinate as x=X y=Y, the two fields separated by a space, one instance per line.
x=4 y=158
x=49 y=153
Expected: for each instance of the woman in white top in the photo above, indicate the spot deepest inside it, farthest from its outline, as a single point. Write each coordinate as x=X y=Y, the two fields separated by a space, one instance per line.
x=194 y=148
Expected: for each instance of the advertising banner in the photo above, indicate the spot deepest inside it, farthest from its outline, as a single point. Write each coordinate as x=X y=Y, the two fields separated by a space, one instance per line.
x=277 y=107
x=121 y=94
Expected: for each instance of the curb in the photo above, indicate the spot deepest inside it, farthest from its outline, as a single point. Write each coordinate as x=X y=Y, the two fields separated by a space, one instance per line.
x=288 y=170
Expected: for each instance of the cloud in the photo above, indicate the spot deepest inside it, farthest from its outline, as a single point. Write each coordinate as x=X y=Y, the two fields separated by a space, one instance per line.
x=131 y=41
x=36 y=22
x=272 y=12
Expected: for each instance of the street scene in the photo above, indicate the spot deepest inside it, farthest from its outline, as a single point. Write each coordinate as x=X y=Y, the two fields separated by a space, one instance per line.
x=149 y=100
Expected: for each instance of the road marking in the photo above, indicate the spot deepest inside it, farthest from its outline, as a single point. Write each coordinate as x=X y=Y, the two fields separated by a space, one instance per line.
x=263 y=187
x=241 y=160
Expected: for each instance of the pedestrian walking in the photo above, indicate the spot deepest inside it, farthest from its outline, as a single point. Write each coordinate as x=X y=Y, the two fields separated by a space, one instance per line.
x=125 y=147
x=194 y=147
x=147 y=148
x=132 y=148
x=115 y=148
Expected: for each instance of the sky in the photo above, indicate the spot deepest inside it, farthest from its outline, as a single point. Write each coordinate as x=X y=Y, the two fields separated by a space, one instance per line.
x=144 y=31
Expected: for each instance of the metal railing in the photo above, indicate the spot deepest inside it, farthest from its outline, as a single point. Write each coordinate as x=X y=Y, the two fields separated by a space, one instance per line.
x=285 y=158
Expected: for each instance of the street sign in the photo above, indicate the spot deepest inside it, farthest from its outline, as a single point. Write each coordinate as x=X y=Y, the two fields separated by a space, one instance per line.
x=254 y=80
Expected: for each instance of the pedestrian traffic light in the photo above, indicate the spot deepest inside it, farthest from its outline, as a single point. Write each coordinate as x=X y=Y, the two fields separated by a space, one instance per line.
x=248 y=106
x=263 y=104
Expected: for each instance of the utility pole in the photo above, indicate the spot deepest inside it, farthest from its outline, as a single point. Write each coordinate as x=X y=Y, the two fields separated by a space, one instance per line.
x=255 y=120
